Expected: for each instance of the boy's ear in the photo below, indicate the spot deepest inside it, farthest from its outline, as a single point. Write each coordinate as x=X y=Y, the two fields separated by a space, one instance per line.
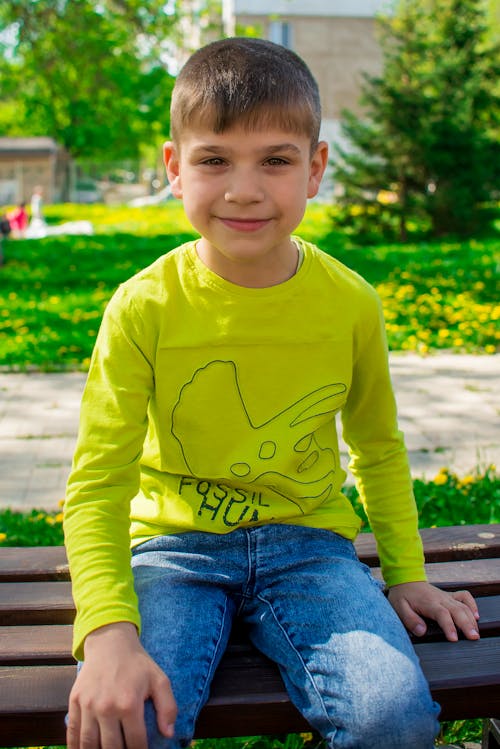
x=318 y=165
x=172 y=165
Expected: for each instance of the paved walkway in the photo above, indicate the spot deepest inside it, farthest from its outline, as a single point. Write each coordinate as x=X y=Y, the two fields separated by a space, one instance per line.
x=449 y=408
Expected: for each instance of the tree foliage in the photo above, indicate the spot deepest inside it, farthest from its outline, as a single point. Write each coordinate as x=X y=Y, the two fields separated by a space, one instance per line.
x=428 y=144
x=87 y=72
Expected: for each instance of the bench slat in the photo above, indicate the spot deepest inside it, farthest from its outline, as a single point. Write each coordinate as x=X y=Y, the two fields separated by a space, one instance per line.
x=34 y=703
x=444 y=544
x=464 y=675
x=480 y=576
x=19 y=563
x=18 y=731
x=40 y=645
x=36 y=603
x=441 y=544
x=51 y=644
x=51 y=602
x=248 y=698
x=447 y=544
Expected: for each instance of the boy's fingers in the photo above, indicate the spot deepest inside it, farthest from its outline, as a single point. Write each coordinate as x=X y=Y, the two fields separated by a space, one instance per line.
x=164 y=702
x=465 y=619
x=457 y=615
x=89 y=734
x=73 y=729
x=134 y=731
x=445 y=621
x=111 y=735
x=450 y=610
x=412 y=621
x=468 y=599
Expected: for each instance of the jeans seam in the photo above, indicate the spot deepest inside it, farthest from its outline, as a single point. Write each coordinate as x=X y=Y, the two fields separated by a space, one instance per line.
x=244 y=593
x=299 y=656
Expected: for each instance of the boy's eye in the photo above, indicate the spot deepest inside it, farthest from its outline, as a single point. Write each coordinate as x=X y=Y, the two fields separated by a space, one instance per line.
x=213 y=161
x=276 y=161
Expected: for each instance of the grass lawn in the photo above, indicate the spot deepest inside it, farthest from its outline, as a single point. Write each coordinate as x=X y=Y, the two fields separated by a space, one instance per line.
x=53 y=291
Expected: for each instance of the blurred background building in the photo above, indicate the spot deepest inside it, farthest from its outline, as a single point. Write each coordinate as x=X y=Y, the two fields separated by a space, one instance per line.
x=336 y=38
x=29 y=162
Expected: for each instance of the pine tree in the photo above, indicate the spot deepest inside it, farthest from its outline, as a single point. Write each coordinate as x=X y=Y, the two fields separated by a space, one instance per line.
x=428 y=142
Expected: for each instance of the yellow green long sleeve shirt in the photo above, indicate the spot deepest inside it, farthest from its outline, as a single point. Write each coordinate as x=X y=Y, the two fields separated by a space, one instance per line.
x=210 y=406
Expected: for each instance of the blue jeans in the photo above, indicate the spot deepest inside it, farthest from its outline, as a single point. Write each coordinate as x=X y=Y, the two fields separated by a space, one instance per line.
x=310 y=605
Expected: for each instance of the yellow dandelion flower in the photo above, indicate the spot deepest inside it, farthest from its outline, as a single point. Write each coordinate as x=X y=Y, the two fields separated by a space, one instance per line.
x=466 y=480
x=440 y=479
x=3 y=537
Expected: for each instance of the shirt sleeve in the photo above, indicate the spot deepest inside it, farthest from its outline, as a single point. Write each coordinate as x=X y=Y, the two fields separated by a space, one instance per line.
x=105 y=473
x=378 y=456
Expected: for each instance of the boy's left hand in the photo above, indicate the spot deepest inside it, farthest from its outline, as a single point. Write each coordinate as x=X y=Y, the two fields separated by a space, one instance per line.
x=412 y=601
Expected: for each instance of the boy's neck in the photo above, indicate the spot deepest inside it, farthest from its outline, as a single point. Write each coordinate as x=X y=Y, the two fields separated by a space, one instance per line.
x=271 y=269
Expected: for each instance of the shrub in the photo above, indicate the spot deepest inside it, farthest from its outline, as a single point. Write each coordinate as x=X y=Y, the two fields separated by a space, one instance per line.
x=450 y=500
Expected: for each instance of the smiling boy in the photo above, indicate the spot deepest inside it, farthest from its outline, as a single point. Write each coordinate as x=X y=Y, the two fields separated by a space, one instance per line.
x=208 y=443
x=245 y=193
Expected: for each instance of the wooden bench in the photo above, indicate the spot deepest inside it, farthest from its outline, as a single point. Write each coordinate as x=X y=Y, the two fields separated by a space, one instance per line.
x=248 y=696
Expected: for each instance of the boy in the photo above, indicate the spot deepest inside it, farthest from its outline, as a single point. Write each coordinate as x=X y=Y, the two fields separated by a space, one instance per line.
x=209 y=416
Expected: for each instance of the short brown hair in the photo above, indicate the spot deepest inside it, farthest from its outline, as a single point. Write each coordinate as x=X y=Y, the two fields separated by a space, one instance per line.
x=246 y=81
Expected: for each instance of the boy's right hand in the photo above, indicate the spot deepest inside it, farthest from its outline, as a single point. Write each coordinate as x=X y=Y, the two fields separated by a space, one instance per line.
x=106 y=706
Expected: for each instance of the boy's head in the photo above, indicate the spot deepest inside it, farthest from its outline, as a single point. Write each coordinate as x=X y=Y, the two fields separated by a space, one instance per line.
x=247 y=82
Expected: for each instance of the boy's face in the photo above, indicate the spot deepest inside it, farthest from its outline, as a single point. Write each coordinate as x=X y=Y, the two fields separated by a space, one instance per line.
x=245 y=192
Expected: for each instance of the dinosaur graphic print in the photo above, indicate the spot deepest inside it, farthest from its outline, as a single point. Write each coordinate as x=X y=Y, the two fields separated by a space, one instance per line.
x=283 y=453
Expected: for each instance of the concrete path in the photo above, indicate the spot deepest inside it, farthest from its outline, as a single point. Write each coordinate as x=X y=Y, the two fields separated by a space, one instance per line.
x=449 y=408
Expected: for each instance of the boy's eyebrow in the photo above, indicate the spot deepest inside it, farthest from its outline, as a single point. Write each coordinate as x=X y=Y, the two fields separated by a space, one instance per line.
x=219 y=149
x=283 y=147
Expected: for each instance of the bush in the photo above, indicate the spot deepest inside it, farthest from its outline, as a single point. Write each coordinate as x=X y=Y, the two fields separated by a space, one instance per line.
x=450 y=500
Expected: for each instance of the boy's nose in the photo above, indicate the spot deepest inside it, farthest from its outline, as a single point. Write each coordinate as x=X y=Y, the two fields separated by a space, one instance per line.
x=243 y=188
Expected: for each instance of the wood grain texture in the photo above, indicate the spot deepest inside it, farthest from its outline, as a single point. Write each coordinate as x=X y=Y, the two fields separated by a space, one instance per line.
x=248 y=696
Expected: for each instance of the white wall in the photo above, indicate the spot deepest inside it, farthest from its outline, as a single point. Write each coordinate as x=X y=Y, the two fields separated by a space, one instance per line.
x=345 y=8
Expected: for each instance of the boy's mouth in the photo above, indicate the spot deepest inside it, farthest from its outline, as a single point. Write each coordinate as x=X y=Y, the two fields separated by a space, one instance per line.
x=244 y=224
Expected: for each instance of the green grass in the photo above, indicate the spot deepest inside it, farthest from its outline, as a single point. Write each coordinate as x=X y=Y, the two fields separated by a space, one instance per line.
x=53 y=291
x=32 y=528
